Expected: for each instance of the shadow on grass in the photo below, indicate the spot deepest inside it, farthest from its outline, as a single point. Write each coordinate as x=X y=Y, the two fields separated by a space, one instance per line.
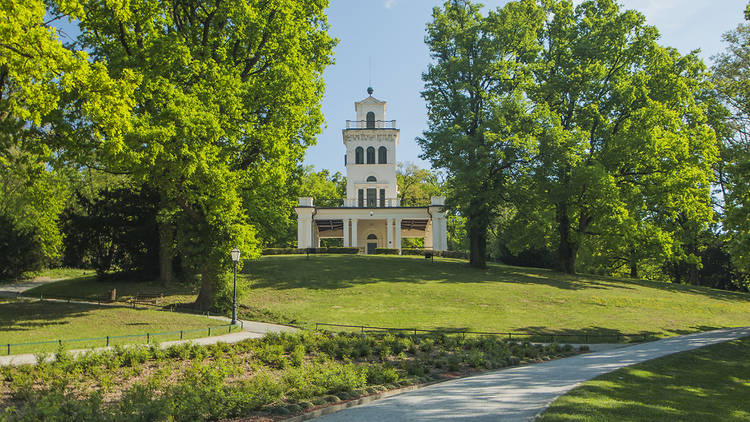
x=327 y=272
x=88 y=287
x=26 y=316
x=588 y=335
x=338 y=272
x=700 y=385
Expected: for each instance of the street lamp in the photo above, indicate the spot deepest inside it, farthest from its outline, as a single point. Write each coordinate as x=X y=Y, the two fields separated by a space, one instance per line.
x=236 y=258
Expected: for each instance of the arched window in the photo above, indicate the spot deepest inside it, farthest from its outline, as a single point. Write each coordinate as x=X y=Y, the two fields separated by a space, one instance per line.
x=359 y=155
x=371 y=236
x=370 y=155
x=382 y=155
x=370 y=120
x=372 y=179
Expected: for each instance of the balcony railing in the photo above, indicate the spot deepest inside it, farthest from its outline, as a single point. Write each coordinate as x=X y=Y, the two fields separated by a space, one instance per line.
x=389 y=203
x=377 y=124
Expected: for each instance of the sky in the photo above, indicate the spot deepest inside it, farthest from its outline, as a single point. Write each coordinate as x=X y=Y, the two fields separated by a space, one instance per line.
x=390 y=35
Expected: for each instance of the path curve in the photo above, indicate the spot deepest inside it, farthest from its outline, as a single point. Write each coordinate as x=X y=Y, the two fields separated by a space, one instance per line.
x=521 y=393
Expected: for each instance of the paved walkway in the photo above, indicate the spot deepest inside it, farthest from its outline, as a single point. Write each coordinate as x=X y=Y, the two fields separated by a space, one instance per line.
x=12 y=290
x=521 y=393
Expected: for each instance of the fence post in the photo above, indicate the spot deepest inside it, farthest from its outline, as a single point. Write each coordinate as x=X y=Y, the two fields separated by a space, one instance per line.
x=510 y=336
x=148 y=338
x=209 y=331
x=180 y=334
x=107 y=341
x=363 y=329
x=59 y=342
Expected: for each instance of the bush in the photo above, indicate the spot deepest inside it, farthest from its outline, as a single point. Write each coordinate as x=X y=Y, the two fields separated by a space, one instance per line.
x=386 y=251
x=295 y=251
x=20 y=249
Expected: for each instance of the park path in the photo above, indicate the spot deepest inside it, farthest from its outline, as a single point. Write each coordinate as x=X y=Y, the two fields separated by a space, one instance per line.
x=521 y=393
x=11 y=290
x=251 y=329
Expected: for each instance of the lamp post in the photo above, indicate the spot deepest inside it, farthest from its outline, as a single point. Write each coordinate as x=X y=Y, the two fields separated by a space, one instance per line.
x=236 y=258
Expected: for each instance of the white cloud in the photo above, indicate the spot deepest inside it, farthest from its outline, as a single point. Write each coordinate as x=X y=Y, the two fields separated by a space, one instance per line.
x=390 y=3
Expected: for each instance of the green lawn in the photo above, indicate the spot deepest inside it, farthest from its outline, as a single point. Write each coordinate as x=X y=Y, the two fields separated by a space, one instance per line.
x=401 y=291
x=22 y=322
x=708 y=384
x=413 y=292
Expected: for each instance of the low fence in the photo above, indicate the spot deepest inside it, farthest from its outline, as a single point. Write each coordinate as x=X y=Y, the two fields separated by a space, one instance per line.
x=140 y=301
x=106 y=341
x=581 y=337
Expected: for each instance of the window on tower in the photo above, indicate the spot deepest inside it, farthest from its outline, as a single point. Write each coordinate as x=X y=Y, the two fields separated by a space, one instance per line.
x=372 y=179
x=370 y=120
x=382 y=155
x=359 y=155
x=370 y=155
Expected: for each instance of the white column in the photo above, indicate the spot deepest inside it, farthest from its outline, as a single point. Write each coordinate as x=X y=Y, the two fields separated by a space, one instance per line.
x=304 y=233
x=398 y=235
x=354 y=233
x=444 y=232
x=389 y=230
x=436 y=233
x=346 y=232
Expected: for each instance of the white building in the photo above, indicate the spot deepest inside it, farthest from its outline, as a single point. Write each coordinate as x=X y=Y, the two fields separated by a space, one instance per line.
x=372 y=216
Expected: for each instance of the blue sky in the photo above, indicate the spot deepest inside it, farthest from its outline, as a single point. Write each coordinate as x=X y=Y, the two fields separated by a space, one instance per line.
x=391 y=33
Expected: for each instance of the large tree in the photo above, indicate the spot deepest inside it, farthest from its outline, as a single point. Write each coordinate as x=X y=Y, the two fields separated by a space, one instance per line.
x=478 y=125
x=626 y=140
x=228 y=100
x=732 y=79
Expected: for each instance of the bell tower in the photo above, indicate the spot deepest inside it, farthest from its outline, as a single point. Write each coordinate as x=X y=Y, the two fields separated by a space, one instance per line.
x=370 y=158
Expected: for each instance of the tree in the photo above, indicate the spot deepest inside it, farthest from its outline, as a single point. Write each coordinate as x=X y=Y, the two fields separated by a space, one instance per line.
x=416 y=186
x=228 y=97
x=32 y=196
x=625 y=138
x=478 y=126
x=732 y=79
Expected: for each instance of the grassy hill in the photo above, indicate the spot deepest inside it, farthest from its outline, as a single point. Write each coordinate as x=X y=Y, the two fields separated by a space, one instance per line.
x=402 y=291
x=396 y=291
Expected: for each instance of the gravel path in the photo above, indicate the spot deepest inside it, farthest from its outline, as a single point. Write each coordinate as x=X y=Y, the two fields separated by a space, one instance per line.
x=521 y=393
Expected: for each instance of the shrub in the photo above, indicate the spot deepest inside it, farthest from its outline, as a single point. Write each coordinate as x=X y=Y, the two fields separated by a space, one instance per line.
x=386 y=251
x=20 y=249
x=379 y=374
x=272 y=355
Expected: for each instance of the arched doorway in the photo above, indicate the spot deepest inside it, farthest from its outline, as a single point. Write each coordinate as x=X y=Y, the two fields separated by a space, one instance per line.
x=372 y=244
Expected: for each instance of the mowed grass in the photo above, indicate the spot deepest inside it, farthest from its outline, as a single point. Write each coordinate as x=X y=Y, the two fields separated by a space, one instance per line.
x=708 y=384
x=393 y=291
x=23 y=322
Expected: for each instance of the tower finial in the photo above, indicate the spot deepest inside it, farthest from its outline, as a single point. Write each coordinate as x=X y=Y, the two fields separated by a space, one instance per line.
x=370 y=90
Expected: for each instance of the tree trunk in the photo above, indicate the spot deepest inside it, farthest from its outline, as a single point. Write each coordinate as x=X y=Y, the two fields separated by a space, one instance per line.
x=166 y=239
x=568 y=248
x=166 y=247
x=477 y=242
x=209 y=278
x=633 y=268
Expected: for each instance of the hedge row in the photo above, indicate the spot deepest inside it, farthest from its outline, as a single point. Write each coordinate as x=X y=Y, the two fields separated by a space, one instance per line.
x=290 y=251
x=386 y=251
x=443 y=254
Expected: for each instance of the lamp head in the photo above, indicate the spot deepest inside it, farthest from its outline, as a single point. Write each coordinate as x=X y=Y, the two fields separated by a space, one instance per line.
x=235 y=255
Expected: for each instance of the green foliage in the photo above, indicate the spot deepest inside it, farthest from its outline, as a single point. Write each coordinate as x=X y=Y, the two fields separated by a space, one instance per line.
x=31 y=194
x=20 y=250
x=416 y=186
x=732 y=79
x=225 y=112
x=479 y=130
x=115 y=230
